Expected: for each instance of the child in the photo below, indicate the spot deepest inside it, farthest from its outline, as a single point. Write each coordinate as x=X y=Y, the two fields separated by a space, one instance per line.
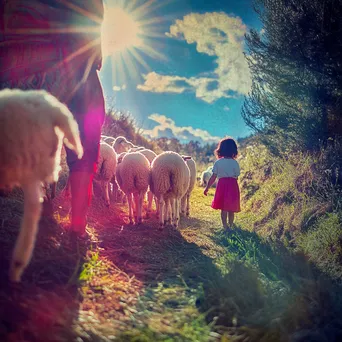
x=227 y=170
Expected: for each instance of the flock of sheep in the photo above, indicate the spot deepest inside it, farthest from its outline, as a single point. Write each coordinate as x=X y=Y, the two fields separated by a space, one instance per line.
x=33 y=126
x=168 y=178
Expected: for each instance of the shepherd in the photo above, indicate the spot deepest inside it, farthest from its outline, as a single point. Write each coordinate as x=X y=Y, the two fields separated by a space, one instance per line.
x=56 y=45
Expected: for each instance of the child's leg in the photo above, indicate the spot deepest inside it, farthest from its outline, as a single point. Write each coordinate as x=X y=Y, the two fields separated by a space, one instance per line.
x=224 y=218
x=231 y=218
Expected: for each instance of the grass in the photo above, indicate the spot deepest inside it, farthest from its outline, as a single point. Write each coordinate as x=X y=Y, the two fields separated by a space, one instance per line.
x=323 y=244
x=136 y=283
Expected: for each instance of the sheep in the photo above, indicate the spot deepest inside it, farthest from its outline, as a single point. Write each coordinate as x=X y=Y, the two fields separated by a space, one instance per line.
x=137 y=149
x=32 y=126
x=107 y=139
x=133 y=176
x=206 y=175
x=150 y=155
x=185 y=202
x=170 y=179
x=106 y=168
x=118 y=190
x=121 y=144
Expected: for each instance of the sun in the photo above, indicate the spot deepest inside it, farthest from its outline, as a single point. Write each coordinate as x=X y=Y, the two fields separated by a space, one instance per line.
x=130 y=36
x=120 y=31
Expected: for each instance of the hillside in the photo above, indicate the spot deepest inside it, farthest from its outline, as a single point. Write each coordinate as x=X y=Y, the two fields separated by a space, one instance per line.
x=296 y=199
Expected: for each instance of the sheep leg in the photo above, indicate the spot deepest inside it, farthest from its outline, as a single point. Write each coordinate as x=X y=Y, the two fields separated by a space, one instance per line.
x=167 y=212
x=176 y=218
x=157 y=206
x=187 y=205
x=105 y=187
x=140 y=203
x=183 y=205
x=28 y=230
x=173 y=210
x=150 y=201
x=136 y=206
x=170 y=218
x=161 y=211
x=130 y=207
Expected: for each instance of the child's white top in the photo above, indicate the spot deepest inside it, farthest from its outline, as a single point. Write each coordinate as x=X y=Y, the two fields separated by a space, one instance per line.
x=226 y=167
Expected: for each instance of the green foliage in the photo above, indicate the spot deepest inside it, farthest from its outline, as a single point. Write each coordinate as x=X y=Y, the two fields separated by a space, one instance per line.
x=322 y=243
x=285 y=197
x=295 y=98
x=90 y=267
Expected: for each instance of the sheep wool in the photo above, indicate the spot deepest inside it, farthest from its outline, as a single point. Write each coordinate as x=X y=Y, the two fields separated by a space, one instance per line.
x=205 y=176
x=170 y=178
x=185 y=202
x=106 y=168
x=150 y=155
x=32 y=126
x=133 y=176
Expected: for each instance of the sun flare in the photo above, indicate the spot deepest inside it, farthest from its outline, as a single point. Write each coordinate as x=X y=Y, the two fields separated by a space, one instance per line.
x=119 y=31
x=130 y=32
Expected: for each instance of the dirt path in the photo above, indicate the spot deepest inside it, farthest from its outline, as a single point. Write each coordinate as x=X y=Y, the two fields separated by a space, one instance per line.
x=136 y=283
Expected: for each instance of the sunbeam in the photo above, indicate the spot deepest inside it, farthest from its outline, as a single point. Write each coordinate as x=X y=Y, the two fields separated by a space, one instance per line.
x=129 y=32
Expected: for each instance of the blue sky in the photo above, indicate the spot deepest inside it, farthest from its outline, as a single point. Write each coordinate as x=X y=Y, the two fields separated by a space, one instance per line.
x=193 y=76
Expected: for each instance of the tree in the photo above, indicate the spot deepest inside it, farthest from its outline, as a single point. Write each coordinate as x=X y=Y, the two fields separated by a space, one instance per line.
x=295 y=100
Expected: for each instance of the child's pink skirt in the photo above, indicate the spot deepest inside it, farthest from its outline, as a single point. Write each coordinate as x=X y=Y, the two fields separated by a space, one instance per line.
x=227 y=195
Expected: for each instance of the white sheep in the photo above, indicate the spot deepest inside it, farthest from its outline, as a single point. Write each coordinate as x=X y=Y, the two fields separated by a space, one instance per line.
x=32 y=126
x=121 y=144
x=137 y=149
x=170 y=178
x=185 y=202
x=118 y=190
x=133 y=177
x=107 y=139
x=106 y=169
x=205 y=176
x=150 y=155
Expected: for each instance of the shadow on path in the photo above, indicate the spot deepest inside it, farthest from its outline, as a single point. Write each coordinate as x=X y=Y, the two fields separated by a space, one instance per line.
x=45 y=304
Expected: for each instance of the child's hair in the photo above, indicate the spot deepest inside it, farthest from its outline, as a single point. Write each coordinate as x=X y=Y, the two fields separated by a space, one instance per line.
x=227 y=148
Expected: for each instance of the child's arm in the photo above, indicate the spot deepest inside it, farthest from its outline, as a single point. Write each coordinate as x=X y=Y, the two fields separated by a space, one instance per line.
x=210 y=183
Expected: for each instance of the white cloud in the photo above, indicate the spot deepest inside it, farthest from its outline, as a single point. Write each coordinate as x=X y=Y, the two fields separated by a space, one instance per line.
x=118 y=88
x=163 y=84
x=167 y=128
x=215 y=34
